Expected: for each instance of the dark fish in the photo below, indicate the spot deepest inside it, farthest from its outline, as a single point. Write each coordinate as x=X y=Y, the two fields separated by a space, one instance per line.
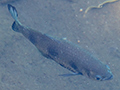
x=72 y=57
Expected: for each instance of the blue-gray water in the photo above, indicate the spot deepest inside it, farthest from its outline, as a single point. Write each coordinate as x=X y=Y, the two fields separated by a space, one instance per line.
x=22 y=67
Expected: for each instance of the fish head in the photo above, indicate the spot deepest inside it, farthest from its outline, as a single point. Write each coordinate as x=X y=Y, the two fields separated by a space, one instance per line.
x=100 y=75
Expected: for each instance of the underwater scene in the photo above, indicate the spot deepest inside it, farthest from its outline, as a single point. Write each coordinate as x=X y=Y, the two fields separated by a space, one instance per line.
x=59 y=44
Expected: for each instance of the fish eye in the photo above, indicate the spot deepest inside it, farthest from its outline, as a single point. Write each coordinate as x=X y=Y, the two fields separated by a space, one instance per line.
x=98 y=77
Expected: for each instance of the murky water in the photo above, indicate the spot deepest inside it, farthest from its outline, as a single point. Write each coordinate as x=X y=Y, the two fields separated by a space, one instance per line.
x=22 y=67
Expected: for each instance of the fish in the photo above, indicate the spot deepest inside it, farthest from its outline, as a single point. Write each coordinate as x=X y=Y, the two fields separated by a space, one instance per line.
x=70 y=56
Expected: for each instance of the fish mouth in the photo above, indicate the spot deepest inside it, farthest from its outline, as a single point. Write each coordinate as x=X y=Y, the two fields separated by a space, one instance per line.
x=108 y=78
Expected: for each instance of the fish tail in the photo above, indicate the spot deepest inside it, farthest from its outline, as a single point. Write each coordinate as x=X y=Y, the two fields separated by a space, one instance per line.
x=14 y=14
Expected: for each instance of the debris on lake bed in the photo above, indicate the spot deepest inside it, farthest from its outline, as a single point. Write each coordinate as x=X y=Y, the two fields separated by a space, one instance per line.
x=99 y=6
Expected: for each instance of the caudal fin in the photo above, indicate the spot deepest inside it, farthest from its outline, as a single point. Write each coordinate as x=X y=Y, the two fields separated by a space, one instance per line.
x=14 y=14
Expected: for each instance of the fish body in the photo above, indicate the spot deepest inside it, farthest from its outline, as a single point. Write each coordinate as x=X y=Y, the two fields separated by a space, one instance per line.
x=70 y=56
